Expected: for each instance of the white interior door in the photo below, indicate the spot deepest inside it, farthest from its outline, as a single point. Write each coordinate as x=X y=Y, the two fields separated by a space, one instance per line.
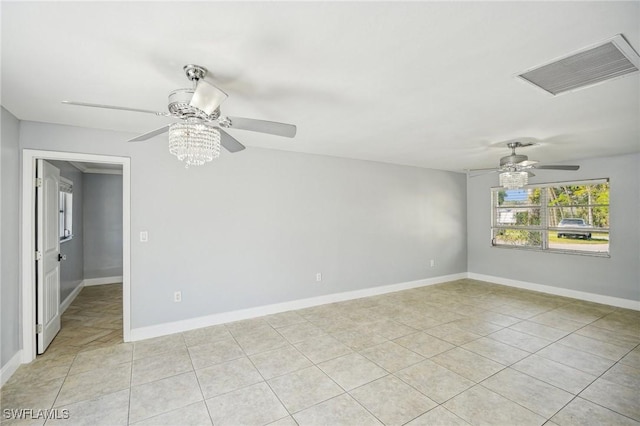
x=48 y=248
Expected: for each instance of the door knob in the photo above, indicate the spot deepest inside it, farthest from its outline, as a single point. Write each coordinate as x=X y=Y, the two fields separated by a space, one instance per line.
x=62 y=257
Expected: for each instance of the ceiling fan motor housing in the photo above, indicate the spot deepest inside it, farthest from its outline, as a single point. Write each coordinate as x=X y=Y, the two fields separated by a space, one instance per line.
x=513 y=159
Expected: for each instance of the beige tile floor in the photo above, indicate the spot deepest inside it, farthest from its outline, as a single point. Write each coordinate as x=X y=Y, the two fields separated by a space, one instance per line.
x=464 y=352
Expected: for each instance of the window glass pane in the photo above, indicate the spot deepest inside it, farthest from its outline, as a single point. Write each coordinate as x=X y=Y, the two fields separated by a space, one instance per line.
x=66 y=211
x=579 y=205
x=517 y=237
x=68 y=215
x=580 y=216
x=598 y=242
x=61 y=221
x=518 y=197
x=529 y=216
x=572 y=195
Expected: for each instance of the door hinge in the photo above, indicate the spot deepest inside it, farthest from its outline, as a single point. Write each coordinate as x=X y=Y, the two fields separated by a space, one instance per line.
x=38 y=182
x=38 y=328
x=38 y=255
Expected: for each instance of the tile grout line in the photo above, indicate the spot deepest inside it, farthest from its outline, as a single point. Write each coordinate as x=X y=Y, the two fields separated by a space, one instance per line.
x=345 y=391
x=261 y=375
x=206 y=407
x=600 y=377
x=508 y=366
x=583 y=389
x=130 y=387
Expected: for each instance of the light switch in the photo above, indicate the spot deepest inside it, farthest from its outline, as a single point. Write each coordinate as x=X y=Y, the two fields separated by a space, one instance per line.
x=144 y=236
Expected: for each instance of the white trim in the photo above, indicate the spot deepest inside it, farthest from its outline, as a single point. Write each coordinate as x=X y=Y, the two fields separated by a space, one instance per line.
x=10 y=367
x=558 y=291
x=224 y=317
x=78 y=166
x=27 y=261
x=102 y=280
x=95 y=170
x=71 y=297
x=68 y=182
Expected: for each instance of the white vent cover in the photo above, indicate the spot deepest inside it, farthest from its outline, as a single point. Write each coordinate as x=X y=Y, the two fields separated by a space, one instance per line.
x=587 y=67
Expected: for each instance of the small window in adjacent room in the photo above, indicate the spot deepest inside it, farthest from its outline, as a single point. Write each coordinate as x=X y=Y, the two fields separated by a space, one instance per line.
x=565 y=217
x=66 y=209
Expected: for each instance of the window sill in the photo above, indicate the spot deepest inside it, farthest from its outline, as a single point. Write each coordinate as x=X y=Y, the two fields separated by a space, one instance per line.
x=64 y=240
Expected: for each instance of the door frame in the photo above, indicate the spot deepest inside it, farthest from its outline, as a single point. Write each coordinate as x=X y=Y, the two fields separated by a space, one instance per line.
x=28 y=249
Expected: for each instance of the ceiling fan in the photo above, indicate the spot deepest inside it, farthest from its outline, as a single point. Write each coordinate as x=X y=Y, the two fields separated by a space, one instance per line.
x=197 y=137
x=515 y=169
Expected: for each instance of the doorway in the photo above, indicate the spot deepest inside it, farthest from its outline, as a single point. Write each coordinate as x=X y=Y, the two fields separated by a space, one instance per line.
x=28 y=258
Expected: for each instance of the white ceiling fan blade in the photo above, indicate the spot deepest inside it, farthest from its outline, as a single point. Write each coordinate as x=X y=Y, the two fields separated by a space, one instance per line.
x=146 y=111
x=262 y=126
x=555 y=167
x=527 y=163
x=207 y=97
x=151 y=134
x=483 y=172
x=229 y=142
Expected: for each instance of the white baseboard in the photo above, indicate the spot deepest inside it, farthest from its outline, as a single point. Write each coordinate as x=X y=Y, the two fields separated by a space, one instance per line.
x=10 y=367
x=148 y=332
x=102 y=280
x=558 y=291
x=71 y=297
x=224 y=317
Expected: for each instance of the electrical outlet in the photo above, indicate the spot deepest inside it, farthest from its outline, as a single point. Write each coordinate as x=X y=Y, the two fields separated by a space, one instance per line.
x=144 y=236
x=318 y=277
x=177 y=296
x=433 y=263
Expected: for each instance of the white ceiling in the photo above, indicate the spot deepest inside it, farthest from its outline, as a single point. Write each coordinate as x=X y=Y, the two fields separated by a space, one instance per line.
x=428 y=84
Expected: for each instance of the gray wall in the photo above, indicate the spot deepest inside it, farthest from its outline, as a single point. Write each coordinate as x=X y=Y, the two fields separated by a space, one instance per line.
x=102 y=225
x=618 y=276
x=72 y=269
x=254 y=228
x=10 y=247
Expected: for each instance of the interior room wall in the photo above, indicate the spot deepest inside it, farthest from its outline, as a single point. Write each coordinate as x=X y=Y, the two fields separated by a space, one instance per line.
x=102 y=226
x=254 y=228
x=617 y=276
x=10 y=246
x=72 y=269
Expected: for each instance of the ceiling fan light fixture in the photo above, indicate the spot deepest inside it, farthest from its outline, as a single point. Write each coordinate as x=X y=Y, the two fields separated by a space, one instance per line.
x=513 y=180
x=194 y=143
x=198 y=138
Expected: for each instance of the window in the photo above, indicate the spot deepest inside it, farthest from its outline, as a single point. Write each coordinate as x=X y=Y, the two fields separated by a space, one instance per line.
x=66 y=209
x=567 y=217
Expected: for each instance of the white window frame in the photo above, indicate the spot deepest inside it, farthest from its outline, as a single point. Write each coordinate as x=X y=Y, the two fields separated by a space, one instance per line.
x=544 y=227
x=66 y=212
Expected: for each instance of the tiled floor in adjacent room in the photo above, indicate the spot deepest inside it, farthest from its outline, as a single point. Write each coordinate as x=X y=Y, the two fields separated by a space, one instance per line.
x=451 y=354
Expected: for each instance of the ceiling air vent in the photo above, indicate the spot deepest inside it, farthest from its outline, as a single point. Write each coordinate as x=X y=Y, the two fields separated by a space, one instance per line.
x=586 y=67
